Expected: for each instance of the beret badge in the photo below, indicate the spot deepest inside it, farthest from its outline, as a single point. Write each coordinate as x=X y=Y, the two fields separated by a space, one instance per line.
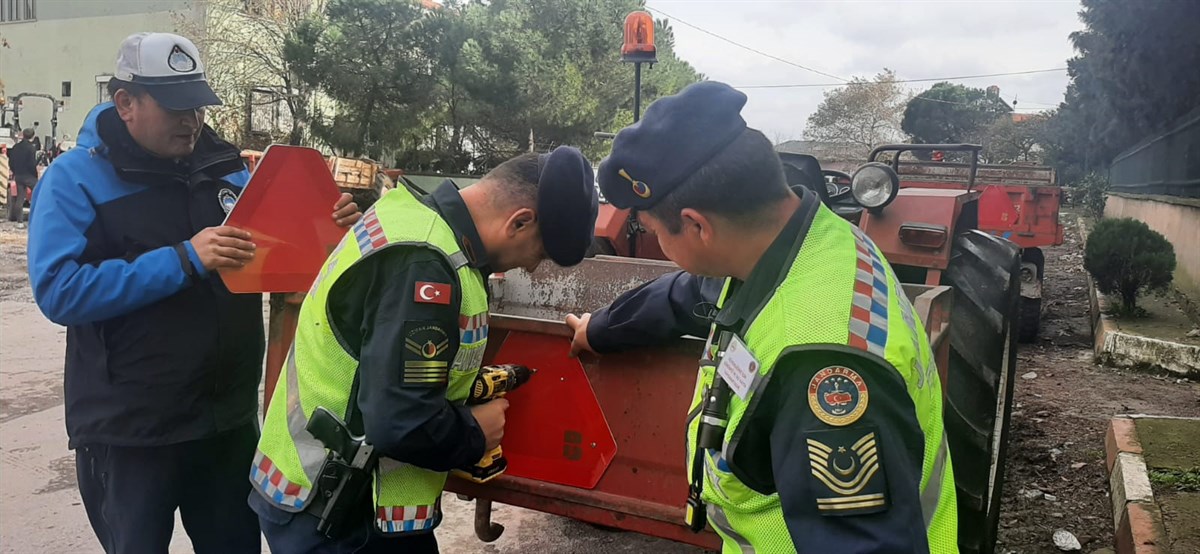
x=639 y=188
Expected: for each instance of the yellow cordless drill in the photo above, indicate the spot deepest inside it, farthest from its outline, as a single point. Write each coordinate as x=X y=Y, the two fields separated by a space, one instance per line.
x=494 y=381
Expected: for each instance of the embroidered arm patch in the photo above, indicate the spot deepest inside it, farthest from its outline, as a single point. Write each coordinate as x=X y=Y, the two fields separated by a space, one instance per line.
x=846 y=471
x=426 y=354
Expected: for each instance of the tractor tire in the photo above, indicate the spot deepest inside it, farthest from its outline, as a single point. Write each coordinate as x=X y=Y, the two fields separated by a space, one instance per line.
x=984 y=272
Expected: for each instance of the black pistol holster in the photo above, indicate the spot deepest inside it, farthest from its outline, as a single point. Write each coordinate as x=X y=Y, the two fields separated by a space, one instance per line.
x=344 y=482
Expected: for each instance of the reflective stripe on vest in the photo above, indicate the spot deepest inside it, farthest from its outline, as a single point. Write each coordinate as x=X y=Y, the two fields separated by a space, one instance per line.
x=408 y=519
x=932 y=493
x=720 y=521
x=320 y=372
x=312 y=453
x=825 y=285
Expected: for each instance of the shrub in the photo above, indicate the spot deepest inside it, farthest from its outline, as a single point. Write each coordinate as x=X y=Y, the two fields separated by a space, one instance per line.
x=1127 y=257
x=1091 y=191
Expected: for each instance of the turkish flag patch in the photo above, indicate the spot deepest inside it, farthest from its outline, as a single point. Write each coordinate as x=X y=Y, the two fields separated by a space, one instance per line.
x=431 y=293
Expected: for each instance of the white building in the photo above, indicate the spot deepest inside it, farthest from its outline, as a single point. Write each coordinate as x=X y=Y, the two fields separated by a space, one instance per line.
x=68 y=49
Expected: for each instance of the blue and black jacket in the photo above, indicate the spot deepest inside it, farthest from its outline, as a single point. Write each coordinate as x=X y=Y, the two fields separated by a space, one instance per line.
x=158 y=350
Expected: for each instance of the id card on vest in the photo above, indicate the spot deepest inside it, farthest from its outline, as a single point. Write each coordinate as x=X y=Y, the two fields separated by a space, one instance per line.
x=738 y=367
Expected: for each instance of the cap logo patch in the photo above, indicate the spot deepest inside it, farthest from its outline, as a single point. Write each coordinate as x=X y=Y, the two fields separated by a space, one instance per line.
x=639 y=188
x=180 y=61
x=837 y=395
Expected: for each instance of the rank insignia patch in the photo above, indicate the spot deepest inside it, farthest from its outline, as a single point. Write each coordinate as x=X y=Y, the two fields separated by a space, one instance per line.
x=847 y=471
x=426 y=354
x=838 y=395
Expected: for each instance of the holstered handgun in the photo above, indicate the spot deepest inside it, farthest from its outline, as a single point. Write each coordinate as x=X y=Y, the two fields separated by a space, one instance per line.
x=345 y=477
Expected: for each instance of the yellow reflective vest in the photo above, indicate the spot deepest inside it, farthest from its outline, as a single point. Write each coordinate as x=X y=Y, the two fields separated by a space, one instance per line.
x=838 y=292
x=320 y=372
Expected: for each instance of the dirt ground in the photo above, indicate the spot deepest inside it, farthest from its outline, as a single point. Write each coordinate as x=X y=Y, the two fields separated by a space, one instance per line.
x=1055 y=476
x=14 y=273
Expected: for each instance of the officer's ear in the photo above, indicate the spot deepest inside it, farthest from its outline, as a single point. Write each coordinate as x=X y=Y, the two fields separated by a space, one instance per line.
x=522 y=220
x=696 y=226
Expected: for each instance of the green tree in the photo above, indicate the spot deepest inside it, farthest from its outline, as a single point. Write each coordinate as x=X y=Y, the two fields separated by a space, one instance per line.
x=950 y=113
x=1135 y=72
x=375 y=59
x=540 y=73
x=865 y=112
x=463 y=87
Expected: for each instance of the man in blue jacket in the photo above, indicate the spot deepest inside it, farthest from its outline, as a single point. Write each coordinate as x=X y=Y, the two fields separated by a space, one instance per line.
x=163 y=363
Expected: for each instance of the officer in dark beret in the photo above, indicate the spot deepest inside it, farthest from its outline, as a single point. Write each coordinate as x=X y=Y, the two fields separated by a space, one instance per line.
x=816 y=425
x=391 y=336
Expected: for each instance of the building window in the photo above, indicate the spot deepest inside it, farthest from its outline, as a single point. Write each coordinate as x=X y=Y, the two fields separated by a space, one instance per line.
x=102 y=95
x=12 y=11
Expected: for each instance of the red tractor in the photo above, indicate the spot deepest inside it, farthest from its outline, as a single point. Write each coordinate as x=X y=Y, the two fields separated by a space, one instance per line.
x=1017 y=202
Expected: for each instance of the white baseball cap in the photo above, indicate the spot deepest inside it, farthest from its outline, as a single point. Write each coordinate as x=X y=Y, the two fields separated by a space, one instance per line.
x=169 y=67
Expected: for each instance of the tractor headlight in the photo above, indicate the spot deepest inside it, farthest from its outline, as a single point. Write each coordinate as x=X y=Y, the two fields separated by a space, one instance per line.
x=874 y=185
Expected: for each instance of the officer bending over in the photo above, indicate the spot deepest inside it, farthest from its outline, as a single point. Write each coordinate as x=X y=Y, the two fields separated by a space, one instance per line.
x=390 y=339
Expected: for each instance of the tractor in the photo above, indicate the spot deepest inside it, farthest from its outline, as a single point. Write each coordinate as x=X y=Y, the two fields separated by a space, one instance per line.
x=1017 y=202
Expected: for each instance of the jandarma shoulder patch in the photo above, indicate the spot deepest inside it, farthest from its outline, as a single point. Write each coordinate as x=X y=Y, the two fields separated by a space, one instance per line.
x=838 y=395
x=426 y=354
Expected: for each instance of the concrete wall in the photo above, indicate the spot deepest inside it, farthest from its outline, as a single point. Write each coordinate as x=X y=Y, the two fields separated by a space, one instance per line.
x=1178 y=219
x=76 y=41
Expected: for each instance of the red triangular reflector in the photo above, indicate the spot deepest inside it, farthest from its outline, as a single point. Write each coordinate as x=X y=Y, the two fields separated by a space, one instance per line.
x=286 y=207
x=555 y=430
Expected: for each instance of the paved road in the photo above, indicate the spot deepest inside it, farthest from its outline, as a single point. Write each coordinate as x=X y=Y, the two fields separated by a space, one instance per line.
x=40 y=508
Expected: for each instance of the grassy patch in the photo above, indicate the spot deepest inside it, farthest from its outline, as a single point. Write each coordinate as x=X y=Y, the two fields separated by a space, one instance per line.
x=1183 y=481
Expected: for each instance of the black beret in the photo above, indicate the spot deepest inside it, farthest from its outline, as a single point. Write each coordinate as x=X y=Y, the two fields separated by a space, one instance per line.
x=676 y=136
x=567 y=203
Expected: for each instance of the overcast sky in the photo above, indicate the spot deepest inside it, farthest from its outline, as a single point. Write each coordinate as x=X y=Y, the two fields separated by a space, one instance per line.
x=917 y=39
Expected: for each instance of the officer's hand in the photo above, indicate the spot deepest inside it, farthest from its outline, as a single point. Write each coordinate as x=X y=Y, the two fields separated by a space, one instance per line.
x=345 y=211
x=223 y=247
x=490 y=417
x=580 y=342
